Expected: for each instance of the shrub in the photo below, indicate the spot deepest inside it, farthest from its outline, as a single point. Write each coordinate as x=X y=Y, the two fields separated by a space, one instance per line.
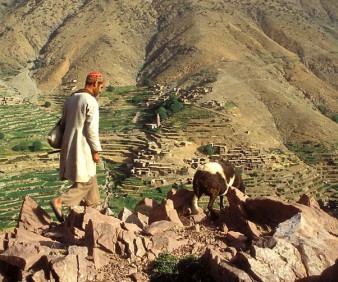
x=36 y=146
x=322 y=109
x=148 y=82
x=208 y=149
x=20 y=147
x=335 y=118
x=137 y=99
x=2 y=135
x=110 y=88
x=168 y=267
x=47 y=104
x=163 y=113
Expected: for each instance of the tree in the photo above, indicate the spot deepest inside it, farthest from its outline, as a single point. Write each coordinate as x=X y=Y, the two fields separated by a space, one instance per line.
x=208 y=149
x=163 y=113
x=47 y=104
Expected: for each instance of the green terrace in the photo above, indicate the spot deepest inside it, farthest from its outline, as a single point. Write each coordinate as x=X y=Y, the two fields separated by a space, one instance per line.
x=41 y=185
x=23 y=124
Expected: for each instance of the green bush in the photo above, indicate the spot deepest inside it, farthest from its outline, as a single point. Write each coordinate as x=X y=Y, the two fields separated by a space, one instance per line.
x=47 y=104
x=2 y=135
x=167 y=108
x=148 y=82
x=36 y=146
x=136 y=99
x=20 y=147
x=335 y=118
x=322 y=109
x=208 y=149
x=110 y=88
x=168 y=267
x=163 y=113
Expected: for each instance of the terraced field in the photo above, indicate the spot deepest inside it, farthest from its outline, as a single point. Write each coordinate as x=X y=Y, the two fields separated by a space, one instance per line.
x=23 y=124
x=23 y=172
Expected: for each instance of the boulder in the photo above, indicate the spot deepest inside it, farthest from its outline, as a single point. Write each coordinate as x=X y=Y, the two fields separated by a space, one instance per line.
x=145 y=206
x=159 y=227
x=32 y=217
x=165 y=211
x=24 y=255
x=181 y=199
x=222 y=271
x=308 y=201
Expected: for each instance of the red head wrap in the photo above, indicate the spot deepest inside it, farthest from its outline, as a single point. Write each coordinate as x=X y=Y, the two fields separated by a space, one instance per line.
x=94 y=77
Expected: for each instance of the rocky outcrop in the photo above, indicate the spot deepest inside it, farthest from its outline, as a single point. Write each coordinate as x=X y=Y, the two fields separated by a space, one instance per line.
x=255 y=239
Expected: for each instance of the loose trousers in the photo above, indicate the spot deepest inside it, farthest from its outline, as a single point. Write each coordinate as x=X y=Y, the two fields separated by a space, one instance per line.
x=87 y=191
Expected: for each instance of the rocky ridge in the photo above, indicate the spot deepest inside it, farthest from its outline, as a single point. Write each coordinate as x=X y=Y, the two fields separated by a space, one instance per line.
x=255 y=239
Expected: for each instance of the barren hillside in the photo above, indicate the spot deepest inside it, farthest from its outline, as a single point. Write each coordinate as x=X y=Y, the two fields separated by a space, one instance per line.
x=276 y=60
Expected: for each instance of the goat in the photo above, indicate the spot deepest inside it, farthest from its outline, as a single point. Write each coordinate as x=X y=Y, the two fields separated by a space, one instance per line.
x=214 y=179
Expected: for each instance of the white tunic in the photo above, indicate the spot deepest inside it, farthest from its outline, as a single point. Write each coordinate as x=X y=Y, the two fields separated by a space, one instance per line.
x=81 y=137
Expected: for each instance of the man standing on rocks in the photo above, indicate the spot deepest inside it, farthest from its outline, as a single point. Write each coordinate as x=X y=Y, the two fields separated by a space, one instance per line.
x=80 y=146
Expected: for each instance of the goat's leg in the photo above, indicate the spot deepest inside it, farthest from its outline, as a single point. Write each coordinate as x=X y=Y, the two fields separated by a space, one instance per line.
x=210 y=205
x=221 y=203
x=194 y=205
x=194 y=202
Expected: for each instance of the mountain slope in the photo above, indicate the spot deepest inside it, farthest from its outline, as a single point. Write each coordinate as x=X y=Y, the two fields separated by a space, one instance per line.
x=276 y=60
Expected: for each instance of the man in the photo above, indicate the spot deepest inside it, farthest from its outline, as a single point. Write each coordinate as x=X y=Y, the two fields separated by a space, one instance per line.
x=80 y=146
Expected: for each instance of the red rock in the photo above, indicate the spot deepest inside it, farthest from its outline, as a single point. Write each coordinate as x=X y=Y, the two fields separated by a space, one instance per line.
x=39 y=276
x=181 y=198
x=139 y=219
x=32 y=217
x=101 y=258
x=65 y=269
x=233 y=235
x=159 y=227
x=198 y=218
x=124 y=214
x=165 y=211
x=128 y=239
x=145 y=206
x=222 y=271
x=131 y=227
x=267 y=210
x=24 y=255
x=103 y=235
x=308 y=201
x=140 y=250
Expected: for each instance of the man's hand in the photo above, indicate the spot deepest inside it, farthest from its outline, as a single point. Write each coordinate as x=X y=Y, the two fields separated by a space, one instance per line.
x=96 y=157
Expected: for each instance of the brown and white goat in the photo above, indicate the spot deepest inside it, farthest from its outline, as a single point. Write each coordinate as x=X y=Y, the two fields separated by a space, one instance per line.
x=214 y=179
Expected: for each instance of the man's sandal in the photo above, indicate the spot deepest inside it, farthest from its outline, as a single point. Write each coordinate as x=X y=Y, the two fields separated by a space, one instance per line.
x=57 y=211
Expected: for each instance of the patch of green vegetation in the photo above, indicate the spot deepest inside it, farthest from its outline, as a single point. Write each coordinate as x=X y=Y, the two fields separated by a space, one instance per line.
x=208 y=150
x=189 y=113
x=157 y=194
x=4 y=73
x=229 y=105
x=308 y=152
x=168 y=267
x=41 y=185
x=335 y=118
x=167 y=108
x=123 y=90
x=25 y=126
